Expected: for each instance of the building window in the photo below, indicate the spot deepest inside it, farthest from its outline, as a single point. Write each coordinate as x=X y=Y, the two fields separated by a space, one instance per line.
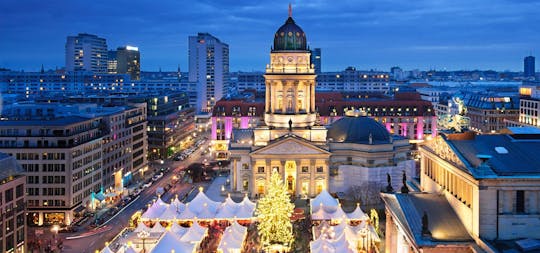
x=245 y=184
x=245 y=166
x=320 y=169
x=260 y=169
x=349 y=160
x=305 y=169
x=520 y=201
x=275 y=168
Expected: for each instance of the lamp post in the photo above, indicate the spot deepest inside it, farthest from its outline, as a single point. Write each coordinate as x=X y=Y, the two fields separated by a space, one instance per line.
x=364 y=248
x=55 y=229
x=143 y=235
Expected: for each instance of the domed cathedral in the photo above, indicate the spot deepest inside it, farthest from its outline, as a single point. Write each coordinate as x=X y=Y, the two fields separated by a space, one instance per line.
x=290 y=79
x=291 y=143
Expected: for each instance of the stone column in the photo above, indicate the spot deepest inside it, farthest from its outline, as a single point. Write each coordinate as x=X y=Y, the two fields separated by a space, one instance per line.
x=234 y=174
x=312 y=96
x=295 y=98
x=267 y=98
x=307 y=97
x=389 y=233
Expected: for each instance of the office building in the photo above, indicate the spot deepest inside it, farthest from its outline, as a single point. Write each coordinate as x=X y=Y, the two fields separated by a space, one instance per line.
x=74 y=154
x=209 y=68
x=128 y=60
x=170 y=123
x=112 y=63
x=488 y=113
x=528 y=67
x=347 y=80
x=12 y=204
x=62 y=160
x=352 y=80
x=86 y=52
x=316 y=59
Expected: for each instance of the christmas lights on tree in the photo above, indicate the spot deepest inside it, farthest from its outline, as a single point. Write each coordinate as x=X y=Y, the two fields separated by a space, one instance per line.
x=274 y=212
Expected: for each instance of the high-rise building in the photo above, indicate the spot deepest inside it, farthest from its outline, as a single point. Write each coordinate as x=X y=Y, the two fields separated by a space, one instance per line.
x=528 y=66
x=86 y=52
x=128 y=60
x=316 y=59
x=209 y=67
x=12 y=183
x=112 y=62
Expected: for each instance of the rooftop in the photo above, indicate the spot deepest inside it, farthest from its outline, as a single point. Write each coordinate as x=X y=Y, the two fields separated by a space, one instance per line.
x=509 y=155
x=53 y=122
x=443 y=223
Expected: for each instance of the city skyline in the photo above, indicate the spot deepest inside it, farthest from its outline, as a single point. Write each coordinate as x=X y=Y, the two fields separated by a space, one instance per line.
x=368 y=35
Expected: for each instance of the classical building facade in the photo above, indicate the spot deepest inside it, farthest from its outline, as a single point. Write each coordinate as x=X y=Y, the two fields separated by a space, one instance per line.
x=488 y=186
x=291 y=140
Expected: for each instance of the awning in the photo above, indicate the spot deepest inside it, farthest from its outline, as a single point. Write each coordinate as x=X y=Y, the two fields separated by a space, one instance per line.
x=99 y=196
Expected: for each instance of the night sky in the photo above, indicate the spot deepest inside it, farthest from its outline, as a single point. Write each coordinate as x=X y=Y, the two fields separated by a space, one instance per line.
x=378 y=34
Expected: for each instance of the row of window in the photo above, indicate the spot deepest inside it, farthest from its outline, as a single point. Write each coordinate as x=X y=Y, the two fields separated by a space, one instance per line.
x=304 y=169
x=8 y=194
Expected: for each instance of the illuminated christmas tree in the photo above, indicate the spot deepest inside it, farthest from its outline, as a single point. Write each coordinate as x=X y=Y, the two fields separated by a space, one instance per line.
x=274 y=212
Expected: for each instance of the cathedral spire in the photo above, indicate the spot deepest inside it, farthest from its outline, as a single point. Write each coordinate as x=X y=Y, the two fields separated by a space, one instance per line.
x=290 y=10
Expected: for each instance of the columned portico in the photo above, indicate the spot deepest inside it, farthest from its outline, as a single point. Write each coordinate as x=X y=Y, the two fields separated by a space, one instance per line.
x=302 y=165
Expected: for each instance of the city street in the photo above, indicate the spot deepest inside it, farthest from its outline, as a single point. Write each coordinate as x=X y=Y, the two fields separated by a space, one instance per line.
x=97 y=241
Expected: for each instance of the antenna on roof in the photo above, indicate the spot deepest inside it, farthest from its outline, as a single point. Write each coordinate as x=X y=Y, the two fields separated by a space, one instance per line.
x=290 y=10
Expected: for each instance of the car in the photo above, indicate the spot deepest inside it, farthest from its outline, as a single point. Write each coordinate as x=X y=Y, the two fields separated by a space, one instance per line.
x=148 y=184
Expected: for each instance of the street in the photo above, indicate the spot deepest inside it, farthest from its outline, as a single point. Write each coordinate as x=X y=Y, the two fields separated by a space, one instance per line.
x=97 y=241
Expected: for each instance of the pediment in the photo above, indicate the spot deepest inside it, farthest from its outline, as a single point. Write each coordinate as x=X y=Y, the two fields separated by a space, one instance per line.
x=290 y=146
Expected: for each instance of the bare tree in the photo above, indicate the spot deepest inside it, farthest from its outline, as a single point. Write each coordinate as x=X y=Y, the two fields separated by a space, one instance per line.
x=367 y=193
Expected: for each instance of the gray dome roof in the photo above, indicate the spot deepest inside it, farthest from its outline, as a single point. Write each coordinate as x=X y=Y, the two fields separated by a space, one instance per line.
x=357 y=130
x=290 y=37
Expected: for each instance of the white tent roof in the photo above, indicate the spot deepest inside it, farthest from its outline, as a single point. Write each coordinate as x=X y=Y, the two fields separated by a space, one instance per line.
x=248 y=203
x=233 y=238
x=201 y=201
x=245 y=212
x=170 y=213
x=325 y=199
x=106 y=250
x=226 y=212
x=358 y=214
x=340 y=244
x=325 y=214
x=187 y=214
x=157 y=228
x=176 y=202
x=235 y=226
x=195 y=233
x=177 y=229
x=321 y=245
x=169 y=241
x=128 y=250
x=141 y=227
x=155 y=210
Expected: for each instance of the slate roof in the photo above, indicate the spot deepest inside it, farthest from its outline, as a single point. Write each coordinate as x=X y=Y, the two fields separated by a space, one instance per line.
x=521 y=157
x=443 y=223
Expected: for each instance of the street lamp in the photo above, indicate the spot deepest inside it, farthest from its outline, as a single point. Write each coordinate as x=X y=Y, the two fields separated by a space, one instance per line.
x=55 y=229
x=143 y=235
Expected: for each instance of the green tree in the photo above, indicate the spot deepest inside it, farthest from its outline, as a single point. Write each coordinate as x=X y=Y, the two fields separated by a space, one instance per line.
x=274 y=212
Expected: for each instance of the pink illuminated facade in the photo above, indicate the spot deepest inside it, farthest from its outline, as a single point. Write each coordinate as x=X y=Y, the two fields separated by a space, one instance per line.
x=404 y=114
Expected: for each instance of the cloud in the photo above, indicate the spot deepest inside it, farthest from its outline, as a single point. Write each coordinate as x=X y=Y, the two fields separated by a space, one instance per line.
x=376 y=32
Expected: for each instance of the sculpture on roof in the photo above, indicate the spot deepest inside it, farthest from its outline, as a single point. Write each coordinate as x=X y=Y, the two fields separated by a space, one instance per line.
x=389 y=187
x=425 y=225
x=290 y=125
x=404 y=188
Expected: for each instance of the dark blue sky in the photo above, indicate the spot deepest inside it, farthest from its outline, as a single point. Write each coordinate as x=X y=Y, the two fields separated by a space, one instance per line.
x=376 y=34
